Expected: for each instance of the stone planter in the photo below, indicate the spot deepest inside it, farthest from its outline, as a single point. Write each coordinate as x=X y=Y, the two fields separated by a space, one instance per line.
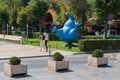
x=58 y=65
x=11 y=70
x=96 y=62
x=118 y=57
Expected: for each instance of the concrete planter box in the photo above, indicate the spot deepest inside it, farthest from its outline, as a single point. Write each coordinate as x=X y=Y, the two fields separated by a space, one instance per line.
x=96 y=62
x=11 y=70
x=118 y=57
x=58 y=65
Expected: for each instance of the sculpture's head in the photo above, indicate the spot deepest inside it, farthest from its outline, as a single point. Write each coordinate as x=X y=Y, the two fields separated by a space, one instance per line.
x=69 y=16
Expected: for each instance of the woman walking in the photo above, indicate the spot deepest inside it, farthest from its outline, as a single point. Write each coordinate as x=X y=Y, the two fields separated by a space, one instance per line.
x=42 y=42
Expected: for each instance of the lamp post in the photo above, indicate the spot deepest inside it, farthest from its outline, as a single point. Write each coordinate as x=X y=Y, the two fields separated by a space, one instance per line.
x=7 y=28
x=27 y=32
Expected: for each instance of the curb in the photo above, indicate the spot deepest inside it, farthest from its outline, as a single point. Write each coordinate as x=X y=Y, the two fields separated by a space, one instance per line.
x=27 y=57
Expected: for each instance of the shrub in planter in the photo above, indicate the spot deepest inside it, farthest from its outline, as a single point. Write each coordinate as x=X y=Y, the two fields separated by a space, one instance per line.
x=58 y=57
x=14 y=67
x=15 y=60
x=97 y=58
x=57 y=63
x=97 y=53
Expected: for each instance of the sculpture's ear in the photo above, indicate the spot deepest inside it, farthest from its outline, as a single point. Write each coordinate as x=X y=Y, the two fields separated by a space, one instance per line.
x=70 y=16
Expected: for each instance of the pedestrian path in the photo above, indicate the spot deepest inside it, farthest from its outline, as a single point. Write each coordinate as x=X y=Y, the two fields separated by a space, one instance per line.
x=8 y=50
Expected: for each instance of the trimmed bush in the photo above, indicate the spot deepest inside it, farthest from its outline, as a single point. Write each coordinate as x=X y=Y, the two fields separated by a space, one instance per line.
x=90 y=45
x=91 y=37
x=97 y=53
x=58 y=57
x=15 y=60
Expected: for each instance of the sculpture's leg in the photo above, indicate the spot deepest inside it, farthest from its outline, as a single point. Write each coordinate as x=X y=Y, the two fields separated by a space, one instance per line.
x=69 y=45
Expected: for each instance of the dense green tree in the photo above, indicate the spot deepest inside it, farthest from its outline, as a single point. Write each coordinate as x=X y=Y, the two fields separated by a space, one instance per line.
x=37 y=10
x=106 y=7
x=24 y=2
x=22 y=17
x=3 y=15
x=13 y=7
x=11 y=3
x=91 y=5
x=81 y=9
x=13 y=16
x=53 y=5
x=64 y=7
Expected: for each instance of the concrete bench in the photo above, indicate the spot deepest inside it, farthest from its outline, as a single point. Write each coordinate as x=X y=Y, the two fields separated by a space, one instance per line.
x=12 y=38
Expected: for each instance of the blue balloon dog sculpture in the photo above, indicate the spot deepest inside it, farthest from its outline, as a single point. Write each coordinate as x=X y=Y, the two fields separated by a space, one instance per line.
x=69 y=32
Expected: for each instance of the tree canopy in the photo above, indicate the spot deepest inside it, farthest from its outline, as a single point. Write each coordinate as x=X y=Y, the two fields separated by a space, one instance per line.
x=22 y=12
x=106 y=7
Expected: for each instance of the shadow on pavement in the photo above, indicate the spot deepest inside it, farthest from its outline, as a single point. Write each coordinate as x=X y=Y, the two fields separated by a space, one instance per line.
x=21 y=76
x=105 y=66
x=104 y=51
x=64 y=71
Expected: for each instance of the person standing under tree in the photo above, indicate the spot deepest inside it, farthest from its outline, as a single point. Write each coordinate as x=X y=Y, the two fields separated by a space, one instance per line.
x=46 y=40
x=42 y=42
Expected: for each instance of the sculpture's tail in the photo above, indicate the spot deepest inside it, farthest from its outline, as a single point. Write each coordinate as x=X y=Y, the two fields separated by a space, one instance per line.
x=77 y=24
x=54 y=29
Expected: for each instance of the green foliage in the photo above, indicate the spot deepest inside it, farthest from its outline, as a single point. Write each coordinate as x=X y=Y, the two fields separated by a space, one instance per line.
x=37 y=8
x=12 y=16
x=97 y=53
x=53 y=37
x=79 y=8
x=22 y=17
x=58 y=57
x=91 y=37
x=53 y=44
x=15 y=60
x=3 y=14
x=107 y=44
x=11 y=8
x=106 y=7
x=24 y=2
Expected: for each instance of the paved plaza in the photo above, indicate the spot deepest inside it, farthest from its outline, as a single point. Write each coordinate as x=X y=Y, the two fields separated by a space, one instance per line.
x=8 y=50
x=37 y=65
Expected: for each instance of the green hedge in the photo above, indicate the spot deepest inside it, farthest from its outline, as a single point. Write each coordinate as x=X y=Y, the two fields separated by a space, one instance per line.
x=107 y=44
x=91 y=37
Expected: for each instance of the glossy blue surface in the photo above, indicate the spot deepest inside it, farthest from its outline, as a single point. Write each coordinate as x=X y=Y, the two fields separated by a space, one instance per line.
x=69 y=32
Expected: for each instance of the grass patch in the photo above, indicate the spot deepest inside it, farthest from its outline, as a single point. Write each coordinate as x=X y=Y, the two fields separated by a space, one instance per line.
x=53 y=44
